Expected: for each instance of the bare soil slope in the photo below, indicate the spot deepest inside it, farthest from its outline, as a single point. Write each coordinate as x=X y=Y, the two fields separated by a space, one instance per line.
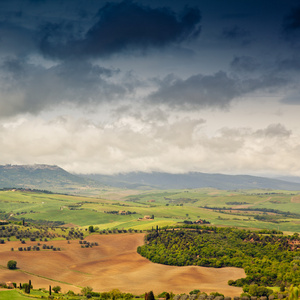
x=113 y=264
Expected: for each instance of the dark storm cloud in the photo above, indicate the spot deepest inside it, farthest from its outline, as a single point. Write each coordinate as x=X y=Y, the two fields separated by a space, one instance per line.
x=79 y=33
x=216 y=91
x=213 y=90
x=289 y=64
x=30 y=88
x=237 y=34
x=235 y=16
x=292 y=21
x=16 y=40
x=268 y=83
x=244 y=64
x=121 y=26
x=291 y=27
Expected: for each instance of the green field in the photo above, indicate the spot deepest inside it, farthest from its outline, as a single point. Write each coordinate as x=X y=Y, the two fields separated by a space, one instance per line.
x=13 y=295
x=260 y=209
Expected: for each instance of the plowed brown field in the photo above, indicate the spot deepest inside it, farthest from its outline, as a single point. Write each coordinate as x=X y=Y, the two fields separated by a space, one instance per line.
x=113 y=264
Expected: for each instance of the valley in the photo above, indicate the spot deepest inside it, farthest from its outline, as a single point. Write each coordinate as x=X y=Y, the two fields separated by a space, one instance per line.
x=93 y=240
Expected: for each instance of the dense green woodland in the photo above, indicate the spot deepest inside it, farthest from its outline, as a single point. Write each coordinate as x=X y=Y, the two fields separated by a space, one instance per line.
x=268 y=257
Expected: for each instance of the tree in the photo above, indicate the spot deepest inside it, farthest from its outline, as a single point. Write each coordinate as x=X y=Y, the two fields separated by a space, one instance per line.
x=150 y=296
x=26 y=288
x=70 y=293
x=91 y=228
x=259 y=291
x=128 y=296
x=12 y=265
x=165 y=295
x=86 y=290
x=115 y=294
x=56 y=289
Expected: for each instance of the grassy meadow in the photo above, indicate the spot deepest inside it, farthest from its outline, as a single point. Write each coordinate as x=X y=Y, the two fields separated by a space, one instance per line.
x=12 y=295
x=260 y=209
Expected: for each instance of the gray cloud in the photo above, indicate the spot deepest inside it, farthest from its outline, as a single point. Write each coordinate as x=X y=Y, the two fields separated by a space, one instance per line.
x=274 y=74
x=274 y=131
x=74 y=64
x=244 y=64
x=120 y=26
x=293 y=99
x=137 y=143
x=289 y=64
x=268 y=83
x=31 y=88
x=217 y=90
x=203 y=91
x=16 y=40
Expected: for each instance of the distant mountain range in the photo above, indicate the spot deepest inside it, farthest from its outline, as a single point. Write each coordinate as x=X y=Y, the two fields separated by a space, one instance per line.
x=157 y=180
x=54 y=178
x=42 y=177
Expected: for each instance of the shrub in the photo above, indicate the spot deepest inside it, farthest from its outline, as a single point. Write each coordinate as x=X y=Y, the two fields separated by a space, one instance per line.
x=216 y=294
x=12 y=264
x=115 y=294
x=70 y=293
x=194 y=292
x=56 y=289
x=129 y=296
x=86 y=290
x=26 y=288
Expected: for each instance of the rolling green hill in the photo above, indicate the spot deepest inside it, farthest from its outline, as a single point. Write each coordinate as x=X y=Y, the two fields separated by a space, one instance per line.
x=278 y=210
x=43 y=177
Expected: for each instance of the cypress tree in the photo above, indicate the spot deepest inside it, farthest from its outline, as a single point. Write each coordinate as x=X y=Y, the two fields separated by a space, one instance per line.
x=151 y=296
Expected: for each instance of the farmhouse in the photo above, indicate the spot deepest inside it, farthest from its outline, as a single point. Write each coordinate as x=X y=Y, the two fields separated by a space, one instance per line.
x=9 y=285
x=146 y=218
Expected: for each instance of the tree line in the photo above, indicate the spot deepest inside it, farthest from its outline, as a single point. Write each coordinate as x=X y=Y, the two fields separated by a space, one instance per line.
x=268 y=259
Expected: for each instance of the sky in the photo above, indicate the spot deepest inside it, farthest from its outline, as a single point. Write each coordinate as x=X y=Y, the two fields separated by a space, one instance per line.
x=154 y=86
